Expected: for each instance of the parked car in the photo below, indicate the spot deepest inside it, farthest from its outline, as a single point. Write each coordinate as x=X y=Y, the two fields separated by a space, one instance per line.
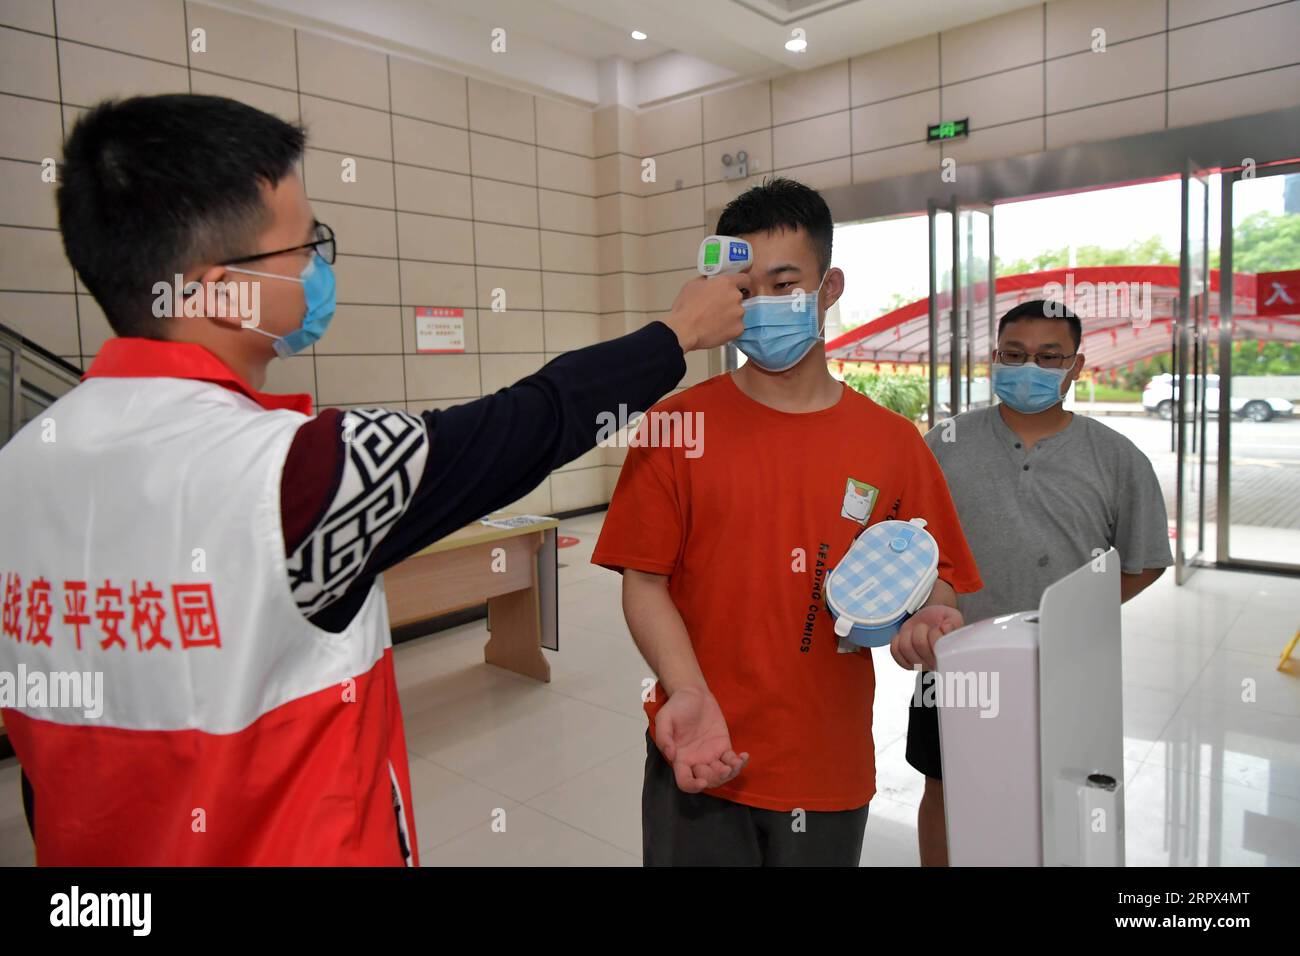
x=1159 y=395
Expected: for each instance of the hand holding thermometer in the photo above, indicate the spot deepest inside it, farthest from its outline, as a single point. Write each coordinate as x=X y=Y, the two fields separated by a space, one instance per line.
x=723 y=254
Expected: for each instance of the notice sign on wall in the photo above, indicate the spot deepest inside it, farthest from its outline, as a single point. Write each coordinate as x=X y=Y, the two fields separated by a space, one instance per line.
x=439 y=329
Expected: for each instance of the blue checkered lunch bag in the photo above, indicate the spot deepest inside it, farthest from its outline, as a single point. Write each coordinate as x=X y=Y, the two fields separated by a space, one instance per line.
x=885 y=577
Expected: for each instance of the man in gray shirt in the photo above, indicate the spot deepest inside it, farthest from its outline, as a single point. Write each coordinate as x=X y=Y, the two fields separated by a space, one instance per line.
x=1040 y=492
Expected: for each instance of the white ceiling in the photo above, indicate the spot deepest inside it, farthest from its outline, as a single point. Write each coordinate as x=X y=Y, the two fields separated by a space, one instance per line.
x=556 y=46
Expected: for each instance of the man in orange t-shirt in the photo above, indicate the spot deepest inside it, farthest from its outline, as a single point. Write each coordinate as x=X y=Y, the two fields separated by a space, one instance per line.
x=725 y=543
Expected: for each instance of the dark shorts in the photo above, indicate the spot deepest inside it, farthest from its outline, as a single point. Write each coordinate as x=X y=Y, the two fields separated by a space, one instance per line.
x=923 y=734
x=695 y=829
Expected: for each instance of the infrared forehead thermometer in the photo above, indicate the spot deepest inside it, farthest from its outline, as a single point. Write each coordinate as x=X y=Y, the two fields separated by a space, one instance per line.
x=721 y=254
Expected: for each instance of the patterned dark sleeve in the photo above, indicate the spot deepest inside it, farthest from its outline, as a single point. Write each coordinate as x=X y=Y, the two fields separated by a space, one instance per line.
x=364 y=489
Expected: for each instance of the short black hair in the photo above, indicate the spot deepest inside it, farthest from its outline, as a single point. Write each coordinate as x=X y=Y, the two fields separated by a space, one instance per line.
x=780 y=203
x=155 y=185
x=1044 y=309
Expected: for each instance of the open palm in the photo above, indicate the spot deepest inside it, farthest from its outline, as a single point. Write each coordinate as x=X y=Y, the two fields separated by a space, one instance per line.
x=692 y=735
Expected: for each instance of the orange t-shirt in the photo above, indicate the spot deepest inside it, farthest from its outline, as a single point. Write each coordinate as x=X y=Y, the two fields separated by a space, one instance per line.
x=727 y=521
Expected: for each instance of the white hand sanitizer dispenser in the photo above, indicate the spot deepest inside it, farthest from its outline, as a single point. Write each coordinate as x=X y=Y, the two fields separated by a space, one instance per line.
x=1031 y=729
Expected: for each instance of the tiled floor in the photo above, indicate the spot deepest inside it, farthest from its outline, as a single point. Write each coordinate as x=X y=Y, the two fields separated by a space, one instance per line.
x=508 y=771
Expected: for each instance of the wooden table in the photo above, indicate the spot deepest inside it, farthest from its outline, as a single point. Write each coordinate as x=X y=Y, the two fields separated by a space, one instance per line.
x=512 y=569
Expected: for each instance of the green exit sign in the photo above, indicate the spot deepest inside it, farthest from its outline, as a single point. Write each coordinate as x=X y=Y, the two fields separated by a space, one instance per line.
x=951 y=129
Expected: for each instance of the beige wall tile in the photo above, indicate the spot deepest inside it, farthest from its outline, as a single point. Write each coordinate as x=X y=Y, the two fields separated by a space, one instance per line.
x=496 y=158
x=1070 y=23
x=536 y=502
x=567 y=252
x=823 y=175
x=35 y=15
x=676 y=170
x=433 y=191
x=441 y=376
x=435 y=238
x=614 y=129
x=566 y=171
x=593 y=459
x=565 y=127
x=506 y=203
x=294 y=375
x=895 y=71
x=152 y=28
x=608 y=174
x=503 y=370
x=93 y=325
x=999 y=43
x=1000 y=98
x=571 y=293
x=429 y=144
x=363 y=330
x=430 y=283
x=359 y=379
x=811 y=141
x=675 y=210
x=894 y=122
x=48 y=319
x=895 y=161
x=1234 y=45
x=1183 y=12
x=661 y=289
x=1241 y=96
x=567 y=212
x=522 y=289
x=1010 y=140
x=30 y=129
x=366 y=280
x=244 y=47
x=342 y=71
x=343 y=128
x=281 y=103
x=429 y=93
x=1123 y=71
x=669 y=251
x=324 y=171
x=32 y=260
x=577 y=487
x=28 y=66
x=568 y=330
x=513 y=331
x=514 y=247
x=797 y=96
x=1113 y=120
x=360 y=230
x=737 y=110
x=500 y=111
x=666 y=128
x=26 y=200
x=90 y=75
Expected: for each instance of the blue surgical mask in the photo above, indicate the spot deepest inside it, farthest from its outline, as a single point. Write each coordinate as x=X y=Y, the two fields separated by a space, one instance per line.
x=317 y=280
x=780 y=329
x=1028 y=388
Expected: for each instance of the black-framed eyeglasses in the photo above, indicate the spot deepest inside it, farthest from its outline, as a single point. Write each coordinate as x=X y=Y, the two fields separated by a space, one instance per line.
x=324 y=246
x=1043 y=359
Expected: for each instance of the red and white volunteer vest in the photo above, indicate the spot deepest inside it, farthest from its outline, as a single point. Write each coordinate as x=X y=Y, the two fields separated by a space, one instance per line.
x=140 y=539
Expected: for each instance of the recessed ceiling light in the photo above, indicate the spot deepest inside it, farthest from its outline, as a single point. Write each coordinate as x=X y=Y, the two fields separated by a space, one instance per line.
x=796 y=45
x=638 y=35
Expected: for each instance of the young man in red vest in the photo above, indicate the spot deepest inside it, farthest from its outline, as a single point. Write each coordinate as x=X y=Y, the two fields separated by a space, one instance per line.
x=213 y=552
